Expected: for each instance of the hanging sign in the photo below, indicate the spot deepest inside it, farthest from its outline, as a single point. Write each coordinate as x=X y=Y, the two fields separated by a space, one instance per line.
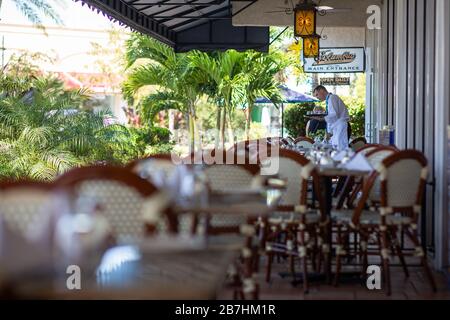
x=336 y=81
x=337 y=60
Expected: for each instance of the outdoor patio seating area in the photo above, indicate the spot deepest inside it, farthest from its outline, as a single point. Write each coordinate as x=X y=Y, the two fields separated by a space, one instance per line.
x=225 y=224
x=235 y=150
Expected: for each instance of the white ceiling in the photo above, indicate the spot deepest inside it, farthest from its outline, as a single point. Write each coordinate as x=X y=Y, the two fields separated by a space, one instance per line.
x=258 y=13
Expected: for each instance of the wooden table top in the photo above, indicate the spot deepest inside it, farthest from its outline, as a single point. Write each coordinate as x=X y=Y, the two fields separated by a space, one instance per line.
x=180 y=269
x=337 y=172
x=238 y=203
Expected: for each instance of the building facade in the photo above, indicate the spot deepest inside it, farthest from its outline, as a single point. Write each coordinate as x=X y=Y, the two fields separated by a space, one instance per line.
x=409 y=89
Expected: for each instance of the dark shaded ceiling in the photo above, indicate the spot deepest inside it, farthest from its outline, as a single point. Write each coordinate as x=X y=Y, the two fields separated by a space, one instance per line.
x=186 y=24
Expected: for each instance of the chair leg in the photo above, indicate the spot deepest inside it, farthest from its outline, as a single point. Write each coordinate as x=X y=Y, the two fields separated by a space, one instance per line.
x=423 y=256
x=363 y=246
x=385 y=257
x=399 y=251
x=304 y=257
x=292 y=266
x=338 y=255
x=269 y=266
x=314 y=250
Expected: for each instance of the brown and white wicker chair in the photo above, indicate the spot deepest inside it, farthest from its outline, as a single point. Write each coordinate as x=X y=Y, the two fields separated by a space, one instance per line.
x=375 y=155
x=296 y=230
x=27 y=221
x=26 y=208
x=132 y=205
x=358 y=143
x=165 y=171
x=304 y=142
x=224 y=178
x=402 y=179
x=368 y=148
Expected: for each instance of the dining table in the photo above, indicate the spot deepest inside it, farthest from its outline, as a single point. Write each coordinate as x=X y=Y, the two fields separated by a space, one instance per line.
x=162 y=268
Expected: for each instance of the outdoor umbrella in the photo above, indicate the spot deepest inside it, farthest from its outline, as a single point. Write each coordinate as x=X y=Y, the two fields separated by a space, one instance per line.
x=287 y=96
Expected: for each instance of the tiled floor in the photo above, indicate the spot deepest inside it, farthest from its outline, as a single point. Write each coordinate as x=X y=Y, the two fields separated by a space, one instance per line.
x=414 y=288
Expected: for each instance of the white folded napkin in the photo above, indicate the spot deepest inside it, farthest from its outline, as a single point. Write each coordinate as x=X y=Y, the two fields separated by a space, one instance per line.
x=358 y=163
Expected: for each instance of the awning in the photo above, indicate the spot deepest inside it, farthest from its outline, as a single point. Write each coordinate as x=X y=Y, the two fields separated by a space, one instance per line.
x=186 y=24
x=289 y=96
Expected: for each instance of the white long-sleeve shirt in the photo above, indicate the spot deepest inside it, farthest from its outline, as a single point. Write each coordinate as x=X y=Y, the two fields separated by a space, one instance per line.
x=337 y=111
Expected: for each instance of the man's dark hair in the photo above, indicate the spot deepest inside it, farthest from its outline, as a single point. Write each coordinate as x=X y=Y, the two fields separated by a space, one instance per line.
x=320 y=87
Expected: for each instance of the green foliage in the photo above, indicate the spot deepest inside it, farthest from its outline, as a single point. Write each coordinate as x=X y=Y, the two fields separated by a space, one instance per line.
x=159 y=149
x=295 y=119
x=320 y=135
x=357 y=111
x=231 y=80
x=43 y=132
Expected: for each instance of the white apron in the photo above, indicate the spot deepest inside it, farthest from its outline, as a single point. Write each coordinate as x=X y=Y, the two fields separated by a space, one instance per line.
x=340 y=136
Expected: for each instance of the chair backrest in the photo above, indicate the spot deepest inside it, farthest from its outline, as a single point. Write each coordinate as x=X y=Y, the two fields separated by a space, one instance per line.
x=368 y=148
x=230 y=177
x=403 y=178
x=304 y=142
x=129 y=202
x=26 y=230
x=26 y=207
x=296 y=170
x=358 y=143
x=375 y=158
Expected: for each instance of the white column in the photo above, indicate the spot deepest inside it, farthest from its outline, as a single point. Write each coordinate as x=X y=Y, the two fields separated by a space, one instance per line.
x=420 y=75
x=411 y=74
x=442 y=120
x=401 y=73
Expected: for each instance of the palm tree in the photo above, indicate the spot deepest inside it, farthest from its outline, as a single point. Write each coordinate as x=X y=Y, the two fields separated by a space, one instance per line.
x=260 y=70
x=44 y=133
x=35 y=10
x=178 y=83
x=225 y=79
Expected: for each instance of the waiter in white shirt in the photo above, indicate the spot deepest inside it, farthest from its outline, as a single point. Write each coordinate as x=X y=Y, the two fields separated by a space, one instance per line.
x=337 y=117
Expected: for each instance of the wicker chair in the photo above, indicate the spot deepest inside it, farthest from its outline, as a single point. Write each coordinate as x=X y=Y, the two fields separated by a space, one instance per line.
x=132 y=205
x=304 y=142
x=368 y=148
x=223 y=178
x=28 y=215
x=165 y=171
x=352 y=187
x=402 y=179
x=26 y=207
x=358 y=143
x=296 y=231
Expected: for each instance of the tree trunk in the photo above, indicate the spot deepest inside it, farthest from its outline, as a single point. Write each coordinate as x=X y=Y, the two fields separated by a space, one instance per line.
x=191 y=133
x=248 y=114
x=219 y=137
x=230 y=128
x=222 y=126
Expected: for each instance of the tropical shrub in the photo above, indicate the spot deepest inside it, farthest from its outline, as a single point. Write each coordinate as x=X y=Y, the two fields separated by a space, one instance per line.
x=295 y=118
x=295 y=121
x=43 y=131
x=357 y=111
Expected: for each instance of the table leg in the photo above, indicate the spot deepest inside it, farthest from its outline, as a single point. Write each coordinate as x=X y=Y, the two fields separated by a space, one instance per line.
x=327 y=195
